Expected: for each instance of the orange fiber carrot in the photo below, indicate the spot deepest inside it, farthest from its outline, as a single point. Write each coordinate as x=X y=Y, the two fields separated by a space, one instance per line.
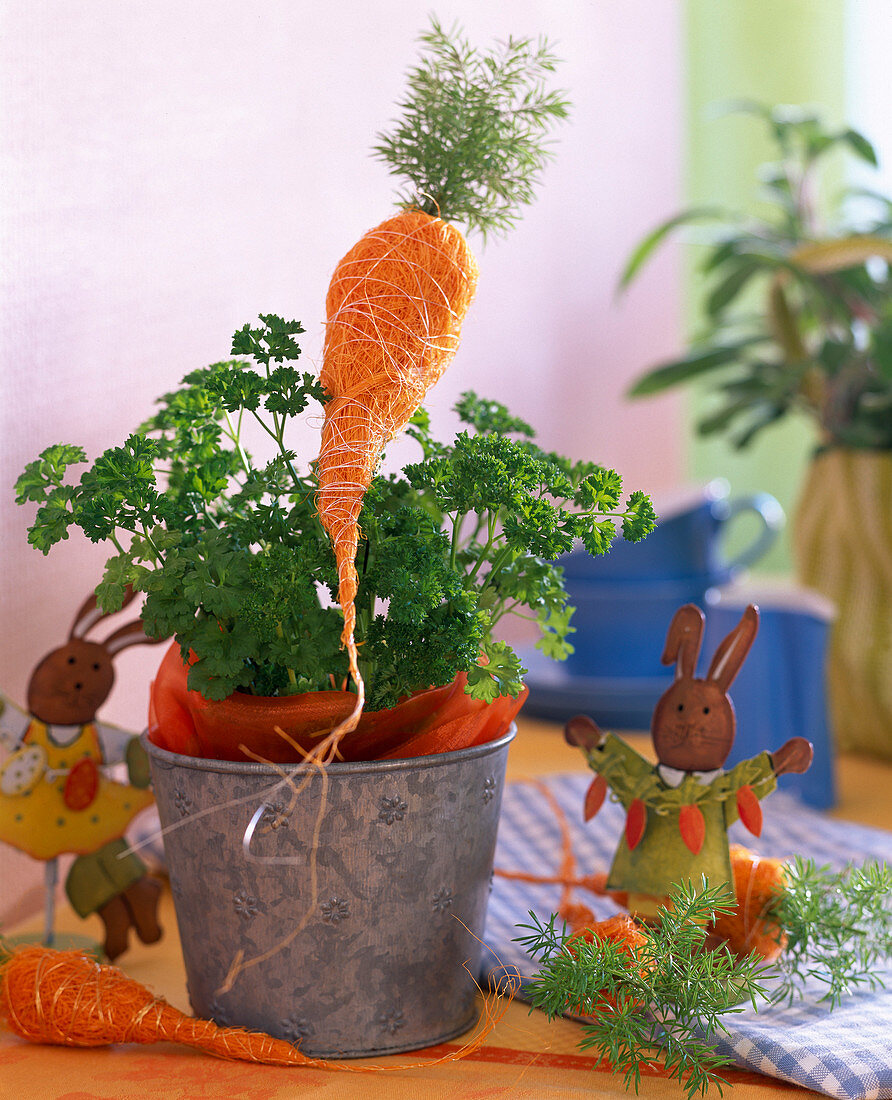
x=757 y=882
x=395 y=308
x=469 y=145
x=65 y=998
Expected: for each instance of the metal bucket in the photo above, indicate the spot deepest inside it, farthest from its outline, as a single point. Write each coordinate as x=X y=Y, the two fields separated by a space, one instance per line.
x=383 y=958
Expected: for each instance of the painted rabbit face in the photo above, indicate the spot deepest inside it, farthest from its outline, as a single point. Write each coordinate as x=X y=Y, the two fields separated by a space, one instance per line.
x=693 y=726
x=693 y=723
x=71 y=683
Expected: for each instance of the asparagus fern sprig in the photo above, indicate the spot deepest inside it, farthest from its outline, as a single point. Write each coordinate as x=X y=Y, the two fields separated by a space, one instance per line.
x=838 y=928
x=668 y=996
x=660 y=1000
x=471 y=140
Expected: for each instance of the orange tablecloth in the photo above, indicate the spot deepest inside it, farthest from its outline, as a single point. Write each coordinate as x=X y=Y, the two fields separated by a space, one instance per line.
x=524 y=1057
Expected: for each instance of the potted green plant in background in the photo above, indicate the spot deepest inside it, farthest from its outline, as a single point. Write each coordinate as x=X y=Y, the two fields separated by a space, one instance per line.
x=276 y=870
x=812 y=337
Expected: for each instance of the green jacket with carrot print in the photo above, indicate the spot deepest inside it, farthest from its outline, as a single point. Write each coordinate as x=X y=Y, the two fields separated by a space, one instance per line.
x=661 y=858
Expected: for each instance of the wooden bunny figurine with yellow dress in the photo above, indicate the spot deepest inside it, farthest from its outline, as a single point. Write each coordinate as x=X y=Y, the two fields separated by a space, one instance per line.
x=55 y=792
x=678 y=812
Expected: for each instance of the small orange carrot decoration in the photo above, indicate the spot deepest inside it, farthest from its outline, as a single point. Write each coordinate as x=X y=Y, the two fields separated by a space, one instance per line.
x=692 y=827
x=398 y=298
x=636 y=820
x=749 y=810
x=65 y=998
x=395 y=308
x=758 y=881
x=594 y=797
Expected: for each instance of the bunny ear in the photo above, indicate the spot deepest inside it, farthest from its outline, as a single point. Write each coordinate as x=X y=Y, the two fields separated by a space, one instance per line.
x=733 y=650
x=127 y=635
x=89 y=614
x=683 y=641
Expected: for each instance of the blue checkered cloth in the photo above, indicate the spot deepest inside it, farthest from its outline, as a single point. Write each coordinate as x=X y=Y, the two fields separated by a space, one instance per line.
x=846 y=1053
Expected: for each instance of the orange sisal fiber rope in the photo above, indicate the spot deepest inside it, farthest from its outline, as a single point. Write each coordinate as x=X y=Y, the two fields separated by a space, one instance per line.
x=395 y=308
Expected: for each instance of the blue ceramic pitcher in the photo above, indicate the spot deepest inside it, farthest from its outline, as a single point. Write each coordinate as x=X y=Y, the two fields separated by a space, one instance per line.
x=624 y=600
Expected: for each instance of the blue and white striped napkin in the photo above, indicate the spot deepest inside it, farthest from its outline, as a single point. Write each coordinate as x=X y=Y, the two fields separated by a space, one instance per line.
x=846 y=1053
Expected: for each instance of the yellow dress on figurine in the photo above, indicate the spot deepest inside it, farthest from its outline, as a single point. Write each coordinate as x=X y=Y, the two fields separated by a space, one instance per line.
x=55 y=797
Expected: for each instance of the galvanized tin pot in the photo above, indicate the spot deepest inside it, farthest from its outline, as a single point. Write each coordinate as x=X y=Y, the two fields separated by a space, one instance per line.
x=383 y=958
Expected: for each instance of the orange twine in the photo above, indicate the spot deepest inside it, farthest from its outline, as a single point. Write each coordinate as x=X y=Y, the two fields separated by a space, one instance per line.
x=395 y=308
x=64 y=998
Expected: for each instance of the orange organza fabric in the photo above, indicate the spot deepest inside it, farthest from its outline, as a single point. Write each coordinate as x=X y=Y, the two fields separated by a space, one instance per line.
x=437 y=720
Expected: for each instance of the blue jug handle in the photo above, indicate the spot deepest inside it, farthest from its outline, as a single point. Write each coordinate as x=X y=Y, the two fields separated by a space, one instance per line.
x=769 y=511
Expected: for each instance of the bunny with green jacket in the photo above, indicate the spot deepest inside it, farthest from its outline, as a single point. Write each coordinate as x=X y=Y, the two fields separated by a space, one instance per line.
x=56 y=795
x=679 y=810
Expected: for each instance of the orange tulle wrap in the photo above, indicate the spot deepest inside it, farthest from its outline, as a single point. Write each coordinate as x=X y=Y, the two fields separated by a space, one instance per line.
x=65 y=998
x=394 y=311
x=438 y=720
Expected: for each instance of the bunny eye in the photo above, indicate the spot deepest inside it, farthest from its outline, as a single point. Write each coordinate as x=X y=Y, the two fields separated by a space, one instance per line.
x=95 y=666
x=681 y=706
x=706 y=710
x=72 y=660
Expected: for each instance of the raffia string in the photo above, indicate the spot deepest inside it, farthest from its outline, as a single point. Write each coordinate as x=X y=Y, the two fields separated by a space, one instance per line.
x=394 y=309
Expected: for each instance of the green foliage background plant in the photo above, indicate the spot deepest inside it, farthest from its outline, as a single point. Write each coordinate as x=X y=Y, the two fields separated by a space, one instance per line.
x=236 y=566
x=819 y=340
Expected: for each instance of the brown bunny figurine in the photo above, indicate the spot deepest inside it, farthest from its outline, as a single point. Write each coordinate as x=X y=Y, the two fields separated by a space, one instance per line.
x=678 y=813
x=55 y=796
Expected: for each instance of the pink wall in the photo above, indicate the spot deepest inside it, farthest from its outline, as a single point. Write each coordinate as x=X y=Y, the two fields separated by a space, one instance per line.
x=170 y=170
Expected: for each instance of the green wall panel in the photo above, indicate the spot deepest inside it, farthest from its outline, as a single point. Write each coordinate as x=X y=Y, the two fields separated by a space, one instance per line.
x=774 y=51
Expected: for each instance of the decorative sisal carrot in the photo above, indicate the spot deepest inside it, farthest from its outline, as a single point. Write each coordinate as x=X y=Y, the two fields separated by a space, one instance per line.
x=65 y=998
x=471 y=143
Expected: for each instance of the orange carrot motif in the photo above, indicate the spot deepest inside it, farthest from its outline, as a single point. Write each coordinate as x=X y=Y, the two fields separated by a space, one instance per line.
x=636 y=820
x=692 y=827
x=749 y=810
x=471 y=144
x=395 y=308
x=65 y=998
x=594 y=797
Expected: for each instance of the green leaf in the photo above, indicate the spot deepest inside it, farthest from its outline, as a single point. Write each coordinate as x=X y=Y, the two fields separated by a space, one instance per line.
x=732 y=285
x=655 y=238
x=502 y=675
x=691 y=366
x=859 y=145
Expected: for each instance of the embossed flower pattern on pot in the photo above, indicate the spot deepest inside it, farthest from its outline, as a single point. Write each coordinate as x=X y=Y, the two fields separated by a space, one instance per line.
x=335 y=910
x=275 y=816
x=489 y=788
x=295 y=1028
x=392 y=1021
x=246 y=905
x=442 y=900
x=182 y=802
x=392 y=809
